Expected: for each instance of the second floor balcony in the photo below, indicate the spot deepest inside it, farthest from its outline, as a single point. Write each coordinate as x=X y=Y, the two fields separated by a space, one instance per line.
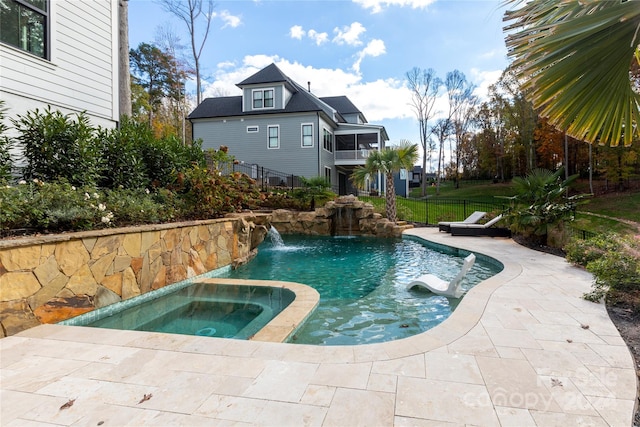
x=351 y=157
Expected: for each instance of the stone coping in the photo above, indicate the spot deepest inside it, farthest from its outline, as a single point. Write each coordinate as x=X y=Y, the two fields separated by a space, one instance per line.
x=75 y=235
x=287 y=322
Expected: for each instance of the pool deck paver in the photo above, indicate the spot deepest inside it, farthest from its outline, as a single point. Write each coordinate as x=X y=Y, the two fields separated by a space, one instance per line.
x=522 y=349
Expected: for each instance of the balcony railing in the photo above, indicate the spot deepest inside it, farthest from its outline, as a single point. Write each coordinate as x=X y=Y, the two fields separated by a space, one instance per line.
x=361 y=154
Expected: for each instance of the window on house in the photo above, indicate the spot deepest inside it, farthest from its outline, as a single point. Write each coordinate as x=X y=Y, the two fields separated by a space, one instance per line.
x=23 y=24
x=307 y=135
x=327 y=138
x=274 y=136
x=263 y=98
x=327 y=174
x=252 y=129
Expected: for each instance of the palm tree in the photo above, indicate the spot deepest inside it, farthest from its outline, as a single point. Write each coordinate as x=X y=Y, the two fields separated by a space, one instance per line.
x=542 y=201
x=387 y=161
x=578 y=62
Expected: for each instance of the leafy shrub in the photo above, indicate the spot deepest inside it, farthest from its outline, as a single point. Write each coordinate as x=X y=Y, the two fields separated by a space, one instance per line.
x=135 y=206
x=40 y=206
x=5 y=147
x=59 y=206
x=583 y=251
x=614 y=261
x=58 y=146
x=164 y=158
x=281 y=199
x=121 y=155
x=209 y=194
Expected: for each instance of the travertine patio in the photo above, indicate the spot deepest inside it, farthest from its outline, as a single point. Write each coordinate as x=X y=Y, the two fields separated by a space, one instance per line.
x=523 y=348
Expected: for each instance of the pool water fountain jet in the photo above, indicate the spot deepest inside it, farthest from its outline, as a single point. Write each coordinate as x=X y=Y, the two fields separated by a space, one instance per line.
x=275 y=237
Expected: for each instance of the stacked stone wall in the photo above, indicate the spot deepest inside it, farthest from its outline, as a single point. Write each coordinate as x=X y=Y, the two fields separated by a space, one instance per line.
x=322 y=221
x=47 y=279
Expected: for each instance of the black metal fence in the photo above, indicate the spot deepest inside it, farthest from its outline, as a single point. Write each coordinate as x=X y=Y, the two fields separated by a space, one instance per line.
x=266 y=178
x=430 y=211
x=581 y=234
x=427 y=211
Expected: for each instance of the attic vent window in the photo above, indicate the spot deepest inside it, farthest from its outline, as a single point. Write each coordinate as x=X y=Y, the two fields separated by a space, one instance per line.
x=262 y=98
x=252 y=129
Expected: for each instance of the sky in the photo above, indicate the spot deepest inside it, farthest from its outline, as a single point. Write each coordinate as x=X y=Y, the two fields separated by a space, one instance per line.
x=358 y=48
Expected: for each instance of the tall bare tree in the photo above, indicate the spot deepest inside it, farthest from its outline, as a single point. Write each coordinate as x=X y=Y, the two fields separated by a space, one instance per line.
x=192 y=13
x=124 y=79
x=178 y=106
x=424 y=87
x=461 y=104
x=441 y=130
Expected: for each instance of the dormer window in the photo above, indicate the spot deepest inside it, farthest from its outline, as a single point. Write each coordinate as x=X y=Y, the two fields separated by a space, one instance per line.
x=262 y=98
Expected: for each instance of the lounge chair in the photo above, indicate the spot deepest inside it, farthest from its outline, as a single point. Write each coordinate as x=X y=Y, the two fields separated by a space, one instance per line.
x=438 y=286
x=480 y=229
x=471 y=219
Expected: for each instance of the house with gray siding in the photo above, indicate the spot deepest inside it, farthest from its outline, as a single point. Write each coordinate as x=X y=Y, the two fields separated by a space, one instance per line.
x=278 y=124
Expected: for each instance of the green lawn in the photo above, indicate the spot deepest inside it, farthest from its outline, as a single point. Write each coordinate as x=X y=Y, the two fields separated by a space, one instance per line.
x=625 y=206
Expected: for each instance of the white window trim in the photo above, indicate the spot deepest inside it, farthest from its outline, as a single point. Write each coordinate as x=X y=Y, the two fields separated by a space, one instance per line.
x=302 y=125
x=330 y=169
x=253 y=129
x=333 y=140
x=263 y=90
x=268 y=137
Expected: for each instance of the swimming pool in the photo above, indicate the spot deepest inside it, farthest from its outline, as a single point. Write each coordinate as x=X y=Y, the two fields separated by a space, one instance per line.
x=361 y=281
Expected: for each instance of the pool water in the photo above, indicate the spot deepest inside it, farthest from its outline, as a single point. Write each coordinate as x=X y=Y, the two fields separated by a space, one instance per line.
x=203 y=309
x=362 y=281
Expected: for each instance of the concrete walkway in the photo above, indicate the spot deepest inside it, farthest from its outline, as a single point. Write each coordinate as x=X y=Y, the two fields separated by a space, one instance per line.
x=522 y=349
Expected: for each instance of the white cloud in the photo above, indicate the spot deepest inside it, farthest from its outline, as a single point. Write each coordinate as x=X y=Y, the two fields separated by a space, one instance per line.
x=296 y=32
x=482 y=80
x=226 y=64
x=319 y=38
x=379 y=100
x=376 y=6
x=374 y=48
x=229 y=20
x=349 y=34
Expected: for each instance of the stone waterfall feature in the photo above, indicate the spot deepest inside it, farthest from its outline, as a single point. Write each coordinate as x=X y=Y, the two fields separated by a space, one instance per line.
x=344 y=216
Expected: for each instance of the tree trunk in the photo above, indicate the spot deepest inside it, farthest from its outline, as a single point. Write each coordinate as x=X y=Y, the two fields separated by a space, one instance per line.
x=390 y=197
x=124 y=77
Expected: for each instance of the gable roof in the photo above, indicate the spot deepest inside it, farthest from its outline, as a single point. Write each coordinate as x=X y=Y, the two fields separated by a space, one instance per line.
x=333 y=107
x=269 y=74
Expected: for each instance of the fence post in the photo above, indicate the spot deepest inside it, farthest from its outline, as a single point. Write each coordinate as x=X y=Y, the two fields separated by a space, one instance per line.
x=292 y=182
x=426 y=210
x=464 y=208
x=264 y=188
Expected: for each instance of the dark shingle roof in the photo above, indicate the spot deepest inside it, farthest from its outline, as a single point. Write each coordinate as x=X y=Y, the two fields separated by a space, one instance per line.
x=218 y=107
x=232 y=106
x=301 y=100
x=269 y=74
x=342 y=104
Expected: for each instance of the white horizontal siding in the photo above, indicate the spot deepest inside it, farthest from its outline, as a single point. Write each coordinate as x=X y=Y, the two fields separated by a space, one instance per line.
x=81 y=74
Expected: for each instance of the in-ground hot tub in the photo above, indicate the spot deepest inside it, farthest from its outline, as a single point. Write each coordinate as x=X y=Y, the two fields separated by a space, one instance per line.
x=223 y=308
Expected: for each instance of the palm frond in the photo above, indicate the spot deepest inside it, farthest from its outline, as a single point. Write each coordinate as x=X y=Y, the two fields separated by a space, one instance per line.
x=574 y=59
